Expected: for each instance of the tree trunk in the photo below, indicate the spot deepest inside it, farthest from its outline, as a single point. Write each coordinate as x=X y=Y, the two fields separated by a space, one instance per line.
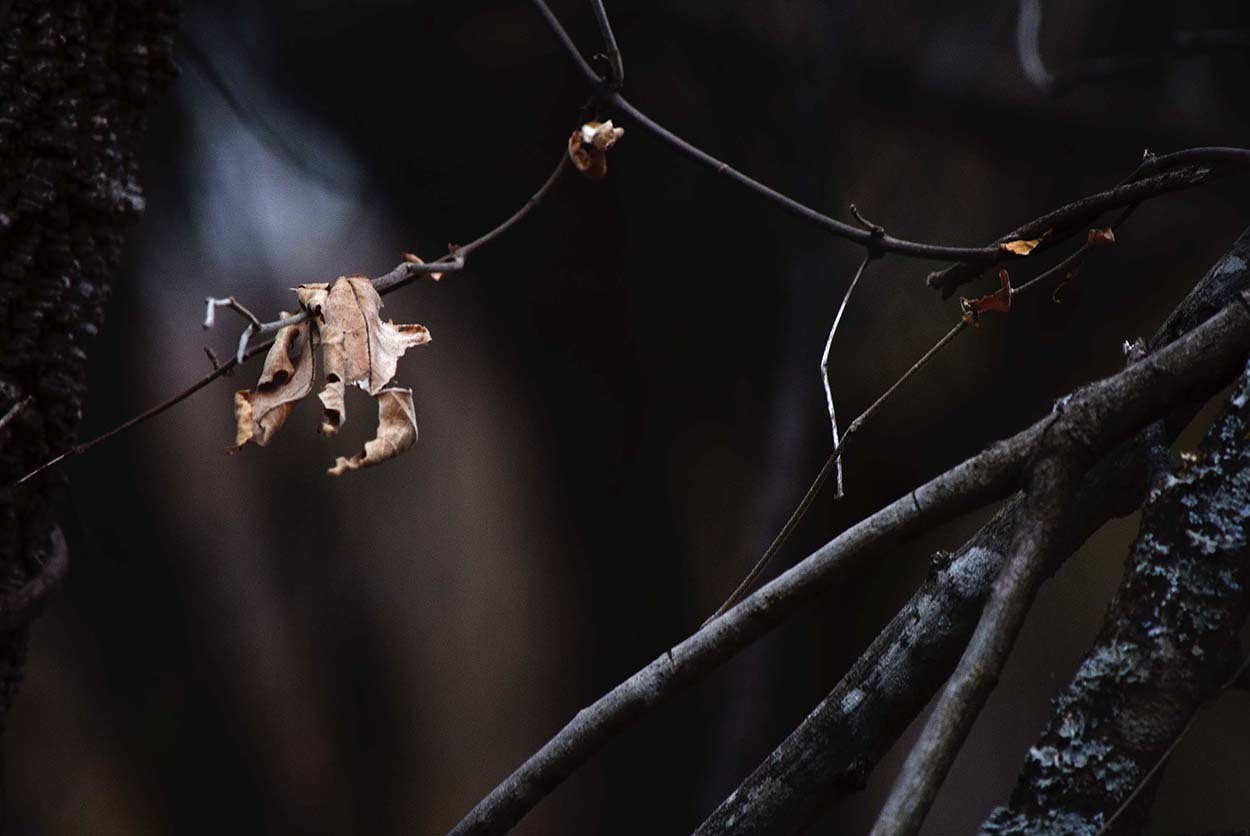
x=76 y=81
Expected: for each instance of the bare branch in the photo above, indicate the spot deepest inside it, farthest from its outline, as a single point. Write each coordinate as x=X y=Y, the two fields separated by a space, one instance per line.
x=615 y=61
x=1100 y=415
x=212 y=304
x=833 y=461
x=824 y=369
x=835 y=747
x=1076 y=213
x=1155 y=176
x=1173 y=626
x=1015 y=589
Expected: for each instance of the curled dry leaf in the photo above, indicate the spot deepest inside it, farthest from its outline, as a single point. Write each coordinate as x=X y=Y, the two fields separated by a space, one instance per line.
x=1101 y=237
x=999 y=300
x=287 y=376
x=588 y=147
x=397 y=431
x=1021 y=247
x=359 y=348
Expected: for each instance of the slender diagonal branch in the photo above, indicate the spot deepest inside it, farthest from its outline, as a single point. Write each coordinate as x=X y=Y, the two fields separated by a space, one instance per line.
x=1053 y=481
x=1100 y=415
x=833 y=461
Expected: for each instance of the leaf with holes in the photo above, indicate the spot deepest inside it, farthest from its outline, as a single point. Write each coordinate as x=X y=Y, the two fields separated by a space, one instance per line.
x=287 y=376
x=397 y=431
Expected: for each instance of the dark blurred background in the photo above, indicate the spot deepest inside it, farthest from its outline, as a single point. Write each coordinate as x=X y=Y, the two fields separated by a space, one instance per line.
x=620 y=406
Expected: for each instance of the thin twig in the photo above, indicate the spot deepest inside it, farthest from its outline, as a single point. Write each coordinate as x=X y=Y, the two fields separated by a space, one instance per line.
x=834 y=459
x=14 y=410
x=1155 y=176
x=212 y=304
x=969 y=687
x=1077 y=212
x=615 y=62
x=404 y=274
x=1100 y=414
x=824 y=367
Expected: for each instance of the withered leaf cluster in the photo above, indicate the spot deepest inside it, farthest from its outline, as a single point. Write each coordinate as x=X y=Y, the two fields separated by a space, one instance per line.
x=358 y=348
x=588 y=147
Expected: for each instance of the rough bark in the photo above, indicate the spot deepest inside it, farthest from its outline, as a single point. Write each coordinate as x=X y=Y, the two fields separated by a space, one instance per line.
x=834 y=749
x=1167 y=644
x=76 y=79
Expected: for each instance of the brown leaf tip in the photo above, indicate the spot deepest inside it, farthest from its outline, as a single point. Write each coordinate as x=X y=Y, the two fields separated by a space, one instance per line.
x=588 y=146
x=999 y=300
x=1101 y=237
x=1021 y=247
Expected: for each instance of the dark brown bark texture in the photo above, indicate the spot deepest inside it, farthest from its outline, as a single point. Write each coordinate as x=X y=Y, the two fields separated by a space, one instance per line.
x=1167 y=644
x=76 y=80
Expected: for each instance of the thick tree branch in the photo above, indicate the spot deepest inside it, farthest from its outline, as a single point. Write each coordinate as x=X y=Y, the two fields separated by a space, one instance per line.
x=1167 y=644
x=1099 y=415
x=832 y=751
x=1035 y=540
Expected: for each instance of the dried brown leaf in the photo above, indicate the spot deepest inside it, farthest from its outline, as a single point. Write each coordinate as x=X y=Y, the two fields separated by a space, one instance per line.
x=287 y=376
x=312 y=297
x=1021 y=247
x=588 y=146
x=999 y=300
x=397 y=431
x=1101 y=237
x=359 y=348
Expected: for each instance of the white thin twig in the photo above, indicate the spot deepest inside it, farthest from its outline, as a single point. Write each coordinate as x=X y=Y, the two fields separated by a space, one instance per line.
x=824 y=373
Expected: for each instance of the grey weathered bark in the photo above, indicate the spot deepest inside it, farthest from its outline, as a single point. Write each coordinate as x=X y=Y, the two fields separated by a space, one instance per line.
x=76 y=80
x=831 y=753
x=1167 y=644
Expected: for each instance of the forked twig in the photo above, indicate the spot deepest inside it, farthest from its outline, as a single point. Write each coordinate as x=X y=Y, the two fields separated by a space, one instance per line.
x=960 y=703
